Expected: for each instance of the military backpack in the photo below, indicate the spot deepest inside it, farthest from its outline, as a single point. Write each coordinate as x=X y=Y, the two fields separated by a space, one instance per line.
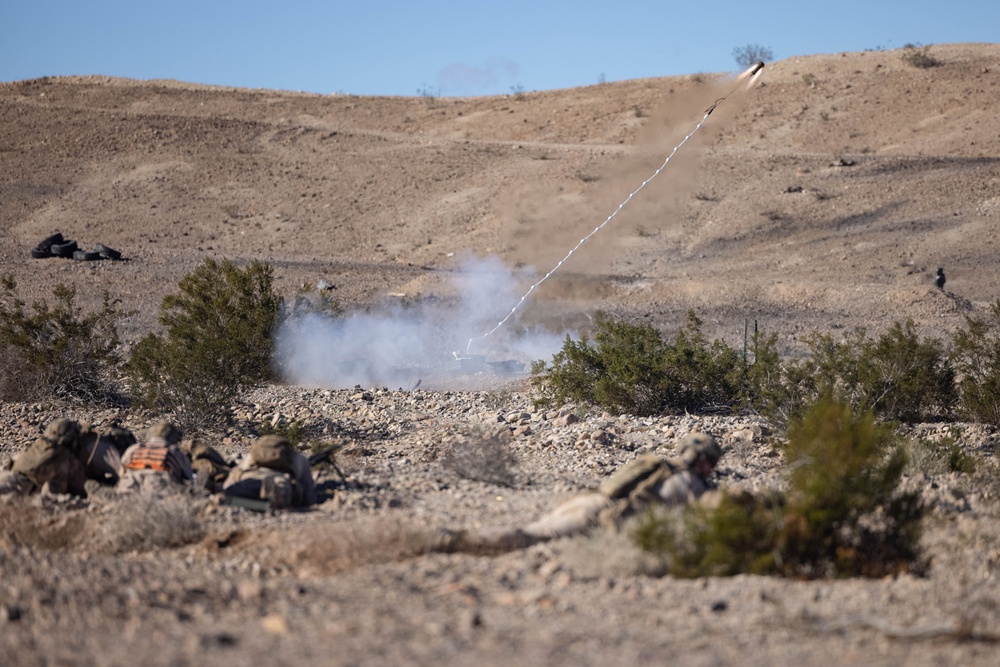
x=630 y=476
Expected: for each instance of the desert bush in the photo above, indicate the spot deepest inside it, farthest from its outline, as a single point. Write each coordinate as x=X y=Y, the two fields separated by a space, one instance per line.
x=897 y=375
x=630 y=368
x=56 y=350
x=294 y=431
x=218 y=341
x=703 y=376
x=843 y=514
x=751 y=54
x=310 y=300
x=429 y=95
x=975 y=352
x=919 y=56
x=762 y=388
x=481 y=456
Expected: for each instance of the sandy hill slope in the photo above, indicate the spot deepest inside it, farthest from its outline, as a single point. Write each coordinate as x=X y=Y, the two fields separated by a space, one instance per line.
x=824 y=197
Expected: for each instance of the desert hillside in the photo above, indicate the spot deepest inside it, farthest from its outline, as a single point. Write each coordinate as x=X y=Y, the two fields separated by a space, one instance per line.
x=824 y=197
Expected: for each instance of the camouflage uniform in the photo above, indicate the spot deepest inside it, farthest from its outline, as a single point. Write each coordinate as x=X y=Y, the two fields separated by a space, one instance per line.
x=99 y=456
x=176 y=468
x=51 y=464
x=287 y=482
x=14 y=484
x=624 y=494
x=209 y=466
x=120 y=437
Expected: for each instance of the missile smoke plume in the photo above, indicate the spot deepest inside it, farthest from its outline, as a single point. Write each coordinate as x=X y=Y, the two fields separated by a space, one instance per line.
x=397 y=344
x=394 y=344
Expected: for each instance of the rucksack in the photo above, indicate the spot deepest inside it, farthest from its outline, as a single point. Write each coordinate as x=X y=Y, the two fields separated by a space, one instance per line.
x=41 y=452
x=163 y=459
x=623 y=481
x=274 y=452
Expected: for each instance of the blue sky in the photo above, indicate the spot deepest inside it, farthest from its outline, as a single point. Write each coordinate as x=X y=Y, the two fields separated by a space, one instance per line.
x=381 y=47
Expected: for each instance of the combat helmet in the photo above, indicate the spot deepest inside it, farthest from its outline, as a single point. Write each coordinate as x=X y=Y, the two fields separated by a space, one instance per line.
x=698 y=444
x=62 y=432
x=165 y=431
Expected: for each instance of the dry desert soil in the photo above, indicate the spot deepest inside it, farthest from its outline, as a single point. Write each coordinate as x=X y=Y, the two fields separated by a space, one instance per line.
x=823 y=198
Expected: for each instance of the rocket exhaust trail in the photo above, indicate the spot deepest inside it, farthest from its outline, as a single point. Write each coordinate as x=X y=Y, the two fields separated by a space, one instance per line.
x=748 y=78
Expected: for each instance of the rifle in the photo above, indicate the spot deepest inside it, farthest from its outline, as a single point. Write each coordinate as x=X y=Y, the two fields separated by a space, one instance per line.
x=327 y=456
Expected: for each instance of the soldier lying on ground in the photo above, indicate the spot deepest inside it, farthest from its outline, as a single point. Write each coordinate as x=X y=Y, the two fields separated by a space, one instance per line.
x=99 y=456
x=273 y=471
x=158 y=464
x=210 y=468
x=120 y=437
x=51 y=464
x=646 y=481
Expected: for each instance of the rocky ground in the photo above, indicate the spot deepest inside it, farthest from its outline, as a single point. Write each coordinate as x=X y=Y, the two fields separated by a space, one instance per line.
x=821 y=200
x=111 y=580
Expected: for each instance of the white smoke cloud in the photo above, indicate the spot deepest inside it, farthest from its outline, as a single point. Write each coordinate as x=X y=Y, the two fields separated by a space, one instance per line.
x=394 y=344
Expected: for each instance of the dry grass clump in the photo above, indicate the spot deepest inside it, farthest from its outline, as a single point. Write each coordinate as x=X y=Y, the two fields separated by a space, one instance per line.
x=150 y=523
x=481 y=455
x=938 y=456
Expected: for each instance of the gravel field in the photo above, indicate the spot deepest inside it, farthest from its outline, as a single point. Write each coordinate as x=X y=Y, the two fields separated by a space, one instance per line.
x=113 y=581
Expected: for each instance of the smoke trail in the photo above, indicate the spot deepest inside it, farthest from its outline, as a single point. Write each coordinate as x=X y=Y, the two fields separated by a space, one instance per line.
x=750 y=75
x=394 y=344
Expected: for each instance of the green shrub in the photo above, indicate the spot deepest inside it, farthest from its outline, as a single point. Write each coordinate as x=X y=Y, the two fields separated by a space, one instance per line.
x=763 y=383
x=843 y=514
x=310 y=300
x=976 y=355
x=56 y=350
x=218 y=341
x=897 y=375
x=738 y=536
x=702 y=376
x=908 y=379
x=293 y=431
x=630 y=368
